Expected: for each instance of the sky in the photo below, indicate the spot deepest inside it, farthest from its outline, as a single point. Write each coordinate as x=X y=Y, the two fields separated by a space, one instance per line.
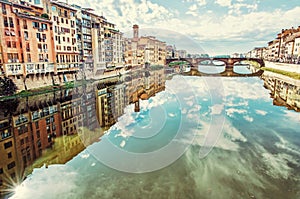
x=211 y=26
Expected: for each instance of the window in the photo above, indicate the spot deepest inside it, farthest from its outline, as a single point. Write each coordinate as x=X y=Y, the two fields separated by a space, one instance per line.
x=11 y=165
x=44 y=26
x=24 y=24
x=11 y=22
x=13 y=44
x=54 y=8
x=27 y=47
x=5 y=22
x=35 y=25
x=8 y=43
x=1 y=170
x=38 y=35
x=7 y=145
x=26 y=35
x=5 y=134
x=28 y=57
x=3 y=9
x=9 y=155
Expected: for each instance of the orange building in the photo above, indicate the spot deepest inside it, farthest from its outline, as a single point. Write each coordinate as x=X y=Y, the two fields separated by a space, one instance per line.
x=11 y=45
x=8 y=161
x=26 y=45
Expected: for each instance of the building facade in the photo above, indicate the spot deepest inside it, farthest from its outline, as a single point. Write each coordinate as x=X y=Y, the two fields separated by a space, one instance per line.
x=145 y=50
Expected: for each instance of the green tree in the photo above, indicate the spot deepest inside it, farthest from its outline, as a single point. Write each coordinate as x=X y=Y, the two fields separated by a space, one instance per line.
x=7 y=86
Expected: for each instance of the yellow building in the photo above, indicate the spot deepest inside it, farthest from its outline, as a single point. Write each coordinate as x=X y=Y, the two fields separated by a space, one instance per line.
x=64 y=35
x=145 y=50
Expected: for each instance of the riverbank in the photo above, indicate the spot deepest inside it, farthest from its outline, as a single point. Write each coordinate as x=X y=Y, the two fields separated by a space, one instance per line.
x=43 y=90
x=292 y=68
x=52 y=88
x=293 y=75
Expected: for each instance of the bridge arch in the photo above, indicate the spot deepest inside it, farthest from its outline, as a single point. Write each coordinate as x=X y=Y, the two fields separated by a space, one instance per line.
x=229 y=62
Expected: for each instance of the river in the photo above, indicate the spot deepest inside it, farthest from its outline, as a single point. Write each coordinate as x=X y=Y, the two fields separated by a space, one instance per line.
x=156 y=135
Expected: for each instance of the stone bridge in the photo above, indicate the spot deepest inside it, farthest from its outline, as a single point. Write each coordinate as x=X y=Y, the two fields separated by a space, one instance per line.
x=227 y=73
x=229 y=62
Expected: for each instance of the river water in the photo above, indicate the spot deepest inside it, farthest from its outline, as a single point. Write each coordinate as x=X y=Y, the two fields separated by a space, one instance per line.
x=198 y=137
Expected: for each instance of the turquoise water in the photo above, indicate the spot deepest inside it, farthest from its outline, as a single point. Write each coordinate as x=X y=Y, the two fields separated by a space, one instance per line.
x=207 y=137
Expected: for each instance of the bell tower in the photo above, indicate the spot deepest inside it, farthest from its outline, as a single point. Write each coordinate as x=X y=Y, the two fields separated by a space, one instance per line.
x=135 y=32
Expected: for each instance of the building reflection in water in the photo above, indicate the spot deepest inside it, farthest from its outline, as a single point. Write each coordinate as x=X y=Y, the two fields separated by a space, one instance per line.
x=53 y=128
x=284 y=91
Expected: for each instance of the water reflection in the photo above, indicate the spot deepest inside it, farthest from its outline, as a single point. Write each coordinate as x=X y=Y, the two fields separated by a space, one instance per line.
x=211 y=69
x=54 y=128
x=239 y=69
x=285 y=91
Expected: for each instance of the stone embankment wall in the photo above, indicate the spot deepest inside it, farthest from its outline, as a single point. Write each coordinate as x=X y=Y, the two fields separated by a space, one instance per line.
x=295 y=68
x=39 y=81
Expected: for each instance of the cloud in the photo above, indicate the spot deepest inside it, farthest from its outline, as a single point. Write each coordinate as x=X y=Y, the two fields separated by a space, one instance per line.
x=223 y=3
x=193 y=10
x=228 y=27
x=261 y=112
x=217 y=109
x=248 y=118
x=201 y=2
x=231 y=111
x=34 y=185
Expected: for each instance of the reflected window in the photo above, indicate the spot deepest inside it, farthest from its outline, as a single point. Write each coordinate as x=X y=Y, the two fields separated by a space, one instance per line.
x=9 y=155
x=11 y=165
x=7 y=145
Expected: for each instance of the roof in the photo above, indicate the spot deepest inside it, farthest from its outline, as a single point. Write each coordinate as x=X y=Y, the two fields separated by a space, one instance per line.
x=64 y=5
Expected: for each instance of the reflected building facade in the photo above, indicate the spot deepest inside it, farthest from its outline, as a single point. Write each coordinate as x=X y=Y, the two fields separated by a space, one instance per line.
x=52 y=128
x=284 y=91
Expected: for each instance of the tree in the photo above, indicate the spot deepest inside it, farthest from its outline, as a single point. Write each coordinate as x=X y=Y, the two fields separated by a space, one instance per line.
x=7 y=86
x=45 y=15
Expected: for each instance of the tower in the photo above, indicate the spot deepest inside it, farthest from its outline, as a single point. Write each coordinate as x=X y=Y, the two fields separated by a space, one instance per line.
x=135 y=32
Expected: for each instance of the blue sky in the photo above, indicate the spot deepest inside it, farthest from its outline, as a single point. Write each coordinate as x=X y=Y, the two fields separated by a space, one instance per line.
x=213 y=26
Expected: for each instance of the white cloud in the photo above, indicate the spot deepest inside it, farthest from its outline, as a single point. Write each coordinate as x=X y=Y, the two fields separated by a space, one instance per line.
x=201 y=2
x=193 y=10
x=261 y=112
x=224 y=3
x=248 y=118
x=34 y=185
x=217 y=109
x=231 y=111
x=201 y=26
